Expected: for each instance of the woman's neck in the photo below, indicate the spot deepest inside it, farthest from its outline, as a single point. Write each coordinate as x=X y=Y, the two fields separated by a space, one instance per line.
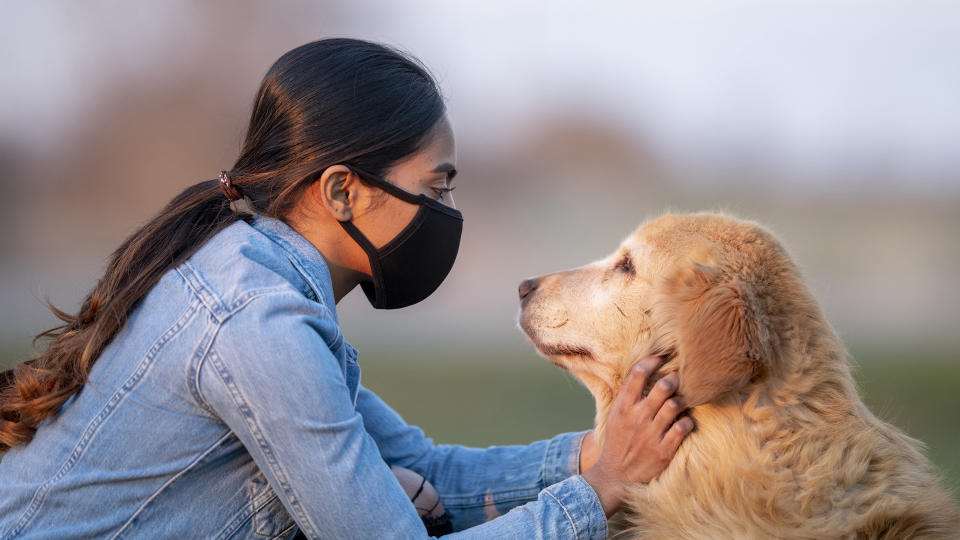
x=338 y=251
x=343 y=279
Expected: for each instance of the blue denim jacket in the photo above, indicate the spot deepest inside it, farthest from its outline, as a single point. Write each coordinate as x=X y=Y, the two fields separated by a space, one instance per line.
x=230 y=406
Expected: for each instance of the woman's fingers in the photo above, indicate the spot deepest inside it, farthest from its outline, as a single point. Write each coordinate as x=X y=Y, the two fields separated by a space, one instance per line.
x=639 y=441
x=661 y=391
x=637 y=380
x=674 y=436
x=671 y=408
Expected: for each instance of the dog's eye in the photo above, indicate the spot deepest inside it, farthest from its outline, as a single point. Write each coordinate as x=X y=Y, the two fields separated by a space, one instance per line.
x=625 y=265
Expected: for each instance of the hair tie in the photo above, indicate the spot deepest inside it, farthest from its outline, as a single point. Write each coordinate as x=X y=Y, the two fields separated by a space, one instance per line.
x=239 y=202
x=231 y=191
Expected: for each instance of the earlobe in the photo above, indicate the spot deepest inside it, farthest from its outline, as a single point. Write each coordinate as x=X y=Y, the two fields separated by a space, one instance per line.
x=335 y=192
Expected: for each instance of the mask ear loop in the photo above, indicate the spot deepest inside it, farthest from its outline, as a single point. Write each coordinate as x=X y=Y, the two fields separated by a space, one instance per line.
x=364 y=242
x=403 y=194
x=372 y=257
x=387 y=186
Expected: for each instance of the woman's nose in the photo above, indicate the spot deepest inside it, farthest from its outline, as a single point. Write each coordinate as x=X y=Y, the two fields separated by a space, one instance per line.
x=526 y=287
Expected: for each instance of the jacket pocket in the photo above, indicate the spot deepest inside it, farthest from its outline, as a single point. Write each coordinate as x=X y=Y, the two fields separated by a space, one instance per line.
x=270 y=518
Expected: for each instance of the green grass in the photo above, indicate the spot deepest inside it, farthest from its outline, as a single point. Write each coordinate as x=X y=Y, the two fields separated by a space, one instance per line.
x=515 y=397
x=922 y=399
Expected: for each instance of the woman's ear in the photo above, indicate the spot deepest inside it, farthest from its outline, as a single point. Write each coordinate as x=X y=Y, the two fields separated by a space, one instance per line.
x=334 y=192
x=711 y=321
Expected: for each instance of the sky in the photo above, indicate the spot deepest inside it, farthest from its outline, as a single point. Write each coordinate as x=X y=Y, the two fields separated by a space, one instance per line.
x=806 y=90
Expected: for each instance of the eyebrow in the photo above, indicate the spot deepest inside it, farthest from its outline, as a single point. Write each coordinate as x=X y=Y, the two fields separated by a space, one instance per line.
x=447 y=168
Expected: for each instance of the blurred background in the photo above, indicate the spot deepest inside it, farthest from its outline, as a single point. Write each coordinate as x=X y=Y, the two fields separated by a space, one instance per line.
x=836 y=124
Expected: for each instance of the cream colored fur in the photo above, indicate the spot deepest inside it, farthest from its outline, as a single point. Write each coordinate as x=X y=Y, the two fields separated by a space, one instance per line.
x=784 y=447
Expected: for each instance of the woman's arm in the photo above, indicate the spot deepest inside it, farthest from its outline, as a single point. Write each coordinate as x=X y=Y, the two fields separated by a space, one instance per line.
x=270 y=376
x=475 y=484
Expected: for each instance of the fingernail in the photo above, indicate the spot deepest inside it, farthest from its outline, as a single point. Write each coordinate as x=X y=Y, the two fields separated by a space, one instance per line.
x=649 y=363
x=665 y=383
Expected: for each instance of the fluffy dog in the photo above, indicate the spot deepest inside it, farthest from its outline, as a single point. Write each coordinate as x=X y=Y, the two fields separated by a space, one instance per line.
x=784 y=447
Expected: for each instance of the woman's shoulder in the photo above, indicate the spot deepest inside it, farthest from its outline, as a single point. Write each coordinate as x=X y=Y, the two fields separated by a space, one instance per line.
x=240 y=263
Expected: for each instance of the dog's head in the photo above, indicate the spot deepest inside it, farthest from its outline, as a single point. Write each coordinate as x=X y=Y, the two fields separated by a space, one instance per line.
x=702 y=290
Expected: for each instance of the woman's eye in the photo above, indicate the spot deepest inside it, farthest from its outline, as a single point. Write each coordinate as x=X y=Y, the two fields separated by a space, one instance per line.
x=440 y=192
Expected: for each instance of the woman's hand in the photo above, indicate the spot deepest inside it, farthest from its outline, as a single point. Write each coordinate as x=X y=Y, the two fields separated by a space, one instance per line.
x=589 y=451
x=641 y=436
x=422 y=493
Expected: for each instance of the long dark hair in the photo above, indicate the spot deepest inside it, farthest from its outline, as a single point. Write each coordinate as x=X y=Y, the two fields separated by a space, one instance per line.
x=326 y=102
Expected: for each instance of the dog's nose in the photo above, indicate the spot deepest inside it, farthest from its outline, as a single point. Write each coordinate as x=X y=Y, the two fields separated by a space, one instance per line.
x=526 y=287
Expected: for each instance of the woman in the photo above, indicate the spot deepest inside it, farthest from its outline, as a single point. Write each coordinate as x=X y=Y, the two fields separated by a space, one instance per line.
x=205 y=388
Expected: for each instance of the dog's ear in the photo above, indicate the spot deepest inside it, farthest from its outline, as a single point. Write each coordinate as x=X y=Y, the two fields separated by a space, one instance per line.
x=710 y=321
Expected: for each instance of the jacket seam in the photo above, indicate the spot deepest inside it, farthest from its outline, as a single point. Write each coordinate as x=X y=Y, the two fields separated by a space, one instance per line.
x=198 y=286
x=194 y=383
x=307 y=280
x=170 y=481
x=93 y=427
x=221 y=312
x=573 y=523
x=541 y=479
x=246 y=512
x=255 y=430
x=477 y=500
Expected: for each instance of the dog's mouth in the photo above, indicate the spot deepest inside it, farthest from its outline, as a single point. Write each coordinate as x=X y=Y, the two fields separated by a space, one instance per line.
x=555 y=351
x=565 y=350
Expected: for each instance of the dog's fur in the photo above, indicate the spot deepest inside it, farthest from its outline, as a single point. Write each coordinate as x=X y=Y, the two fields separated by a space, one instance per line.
x=784 y=447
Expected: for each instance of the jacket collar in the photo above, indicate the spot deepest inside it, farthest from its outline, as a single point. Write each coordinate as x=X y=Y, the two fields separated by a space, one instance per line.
x=304 y=255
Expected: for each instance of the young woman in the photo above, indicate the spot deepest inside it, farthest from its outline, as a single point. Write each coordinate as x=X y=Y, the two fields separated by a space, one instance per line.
x=205 y=390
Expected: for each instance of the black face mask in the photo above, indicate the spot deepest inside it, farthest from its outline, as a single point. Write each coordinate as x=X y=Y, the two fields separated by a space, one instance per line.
x=410 y=267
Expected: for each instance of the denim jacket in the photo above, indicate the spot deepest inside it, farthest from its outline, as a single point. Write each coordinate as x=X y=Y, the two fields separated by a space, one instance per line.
x=230 y=406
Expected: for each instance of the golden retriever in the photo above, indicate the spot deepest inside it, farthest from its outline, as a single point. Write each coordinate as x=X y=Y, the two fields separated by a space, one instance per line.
x=784 y=447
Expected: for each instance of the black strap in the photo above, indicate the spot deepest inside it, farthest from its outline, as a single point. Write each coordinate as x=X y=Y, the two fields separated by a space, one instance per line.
x=403 y=194
x=417 y=494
